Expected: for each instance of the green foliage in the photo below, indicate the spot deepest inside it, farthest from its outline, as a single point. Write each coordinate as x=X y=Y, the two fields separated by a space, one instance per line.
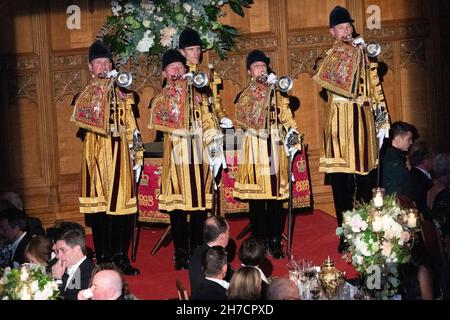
x=152 y=27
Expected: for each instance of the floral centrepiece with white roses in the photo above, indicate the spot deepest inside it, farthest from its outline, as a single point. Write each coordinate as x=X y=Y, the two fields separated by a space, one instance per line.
x=379 y=239
x=30 y=282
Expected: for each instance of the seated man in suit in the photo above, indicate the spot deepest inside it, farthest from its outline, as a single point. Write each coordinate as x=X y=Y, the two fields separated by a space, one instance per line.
x=421 y=161
x=213 y=286
x=107 y=283
x=73 y=269
x=216 y=232
x=283 y=289
x=13 y=225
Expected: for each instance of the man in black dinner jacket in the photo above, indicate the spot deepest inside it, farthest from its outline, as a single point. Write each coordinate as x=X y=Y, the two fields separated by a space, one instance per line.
x=216 y=232
x=73 y=269
x=213 y=286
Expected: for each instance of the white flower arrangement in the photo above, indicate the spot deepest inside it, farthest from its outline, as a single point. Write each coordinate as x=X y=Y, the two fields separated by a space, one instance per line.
x=30 y=282
x=378 y=238
x=152 y=27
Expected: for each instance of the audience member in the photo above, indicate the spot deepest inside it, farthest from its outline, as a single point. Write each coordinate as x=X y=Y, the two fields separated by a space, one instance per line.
x=13 y=198
x=13 y=224
x=73 y=269
x=416 y=281
x=283 y=289
x=439 y=195
x=245 y=285
x=216 y=232
x=252 y=253
x=213 y=286
x=39 y=250
x=107 y=283
x=421 y=161
x=396 y=178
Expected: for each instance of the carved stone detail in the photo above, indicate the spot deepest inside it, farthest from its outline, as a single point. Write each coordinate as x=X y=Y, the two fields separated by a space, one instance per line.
x=245 y=43
x=63 y=62
x=309 y=38
x=23 y=86
x=387 y=54
x=229 y=69
x=66 y=83
x=145 y=72
x=412 y=52
x=415 y=29
x=302 y=61
x=21 y=64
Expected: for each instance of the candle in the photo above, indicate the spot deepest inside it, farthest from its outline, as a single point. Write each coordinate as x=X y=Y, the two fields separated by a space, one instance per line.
x=377 y=224
x=378 y=201
x=412 y=220
x=378 y=197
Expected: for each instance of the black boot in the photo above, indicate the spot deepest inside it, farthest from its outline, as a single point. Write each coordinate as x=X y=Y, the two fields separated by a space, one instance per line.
x=100 y=225
x=124 y=264
x=276 y=249
x=121 y=235
x=181 y=259
x=178 y=221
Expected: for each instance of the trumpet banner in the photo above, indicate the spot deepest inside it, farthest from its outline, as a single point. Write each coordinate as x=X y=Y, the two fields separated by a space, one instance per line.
x=339 y=72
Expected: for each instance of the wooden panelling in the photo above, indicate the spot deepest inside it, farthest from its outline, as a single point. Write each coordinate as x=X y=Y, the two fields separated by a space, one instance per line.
x=43 y=64
x=62 y=38
x=257 y=19
x=310 y=13
x=15 y=23
x=399 y=9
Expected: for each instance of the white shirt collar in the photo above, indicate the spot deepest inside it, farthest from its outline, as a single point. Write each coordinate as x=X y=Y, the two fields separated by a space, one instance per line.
x=72 y=270
x=263 y=276
x=15 y=244
x=425 y=172
x=223 y=283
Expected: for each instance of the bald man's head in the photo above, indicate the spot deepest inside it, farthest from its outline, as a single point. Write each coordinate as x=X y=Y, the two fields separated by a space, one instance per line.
x=107 y=285
x=283 y=289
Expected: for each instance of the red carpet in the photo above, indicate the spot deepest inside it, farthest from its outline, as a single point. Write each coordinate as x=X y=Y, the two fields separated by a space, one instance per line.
x=314 y=239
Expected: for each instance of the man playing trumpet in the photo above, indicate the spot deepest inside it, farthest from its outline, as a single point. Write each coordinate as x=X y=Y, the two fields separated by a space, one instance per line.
x=192 y=153
x=356 y=116
x=111 y=161
x=270 y=137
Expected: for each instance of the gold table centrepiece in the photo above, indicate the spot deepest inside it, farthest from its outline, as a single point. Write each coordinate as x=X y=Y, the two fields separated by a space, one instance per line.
x=330 y=278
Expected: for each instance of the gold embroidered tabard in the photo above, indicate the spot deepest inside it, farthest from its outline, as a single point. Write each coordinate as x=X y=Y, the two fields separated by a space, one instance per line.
x=169 y=108
x=339 y=72
x=251 y=109
x=92 y=108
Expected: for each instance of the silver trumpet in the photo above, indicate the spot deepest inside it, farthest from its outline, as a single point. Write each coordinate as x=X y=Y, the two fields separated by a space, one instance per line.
x=198 y=79
x=123 y=79
x=283 y=84
x=373 y=48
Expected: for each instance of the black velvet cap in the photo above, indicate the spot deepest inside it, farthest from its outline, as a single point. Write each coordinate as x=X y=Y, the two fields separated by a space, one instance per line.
x=99 y=50
x=172 y=55
x=339 y=15
x=189 y=38
x=257 y=55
